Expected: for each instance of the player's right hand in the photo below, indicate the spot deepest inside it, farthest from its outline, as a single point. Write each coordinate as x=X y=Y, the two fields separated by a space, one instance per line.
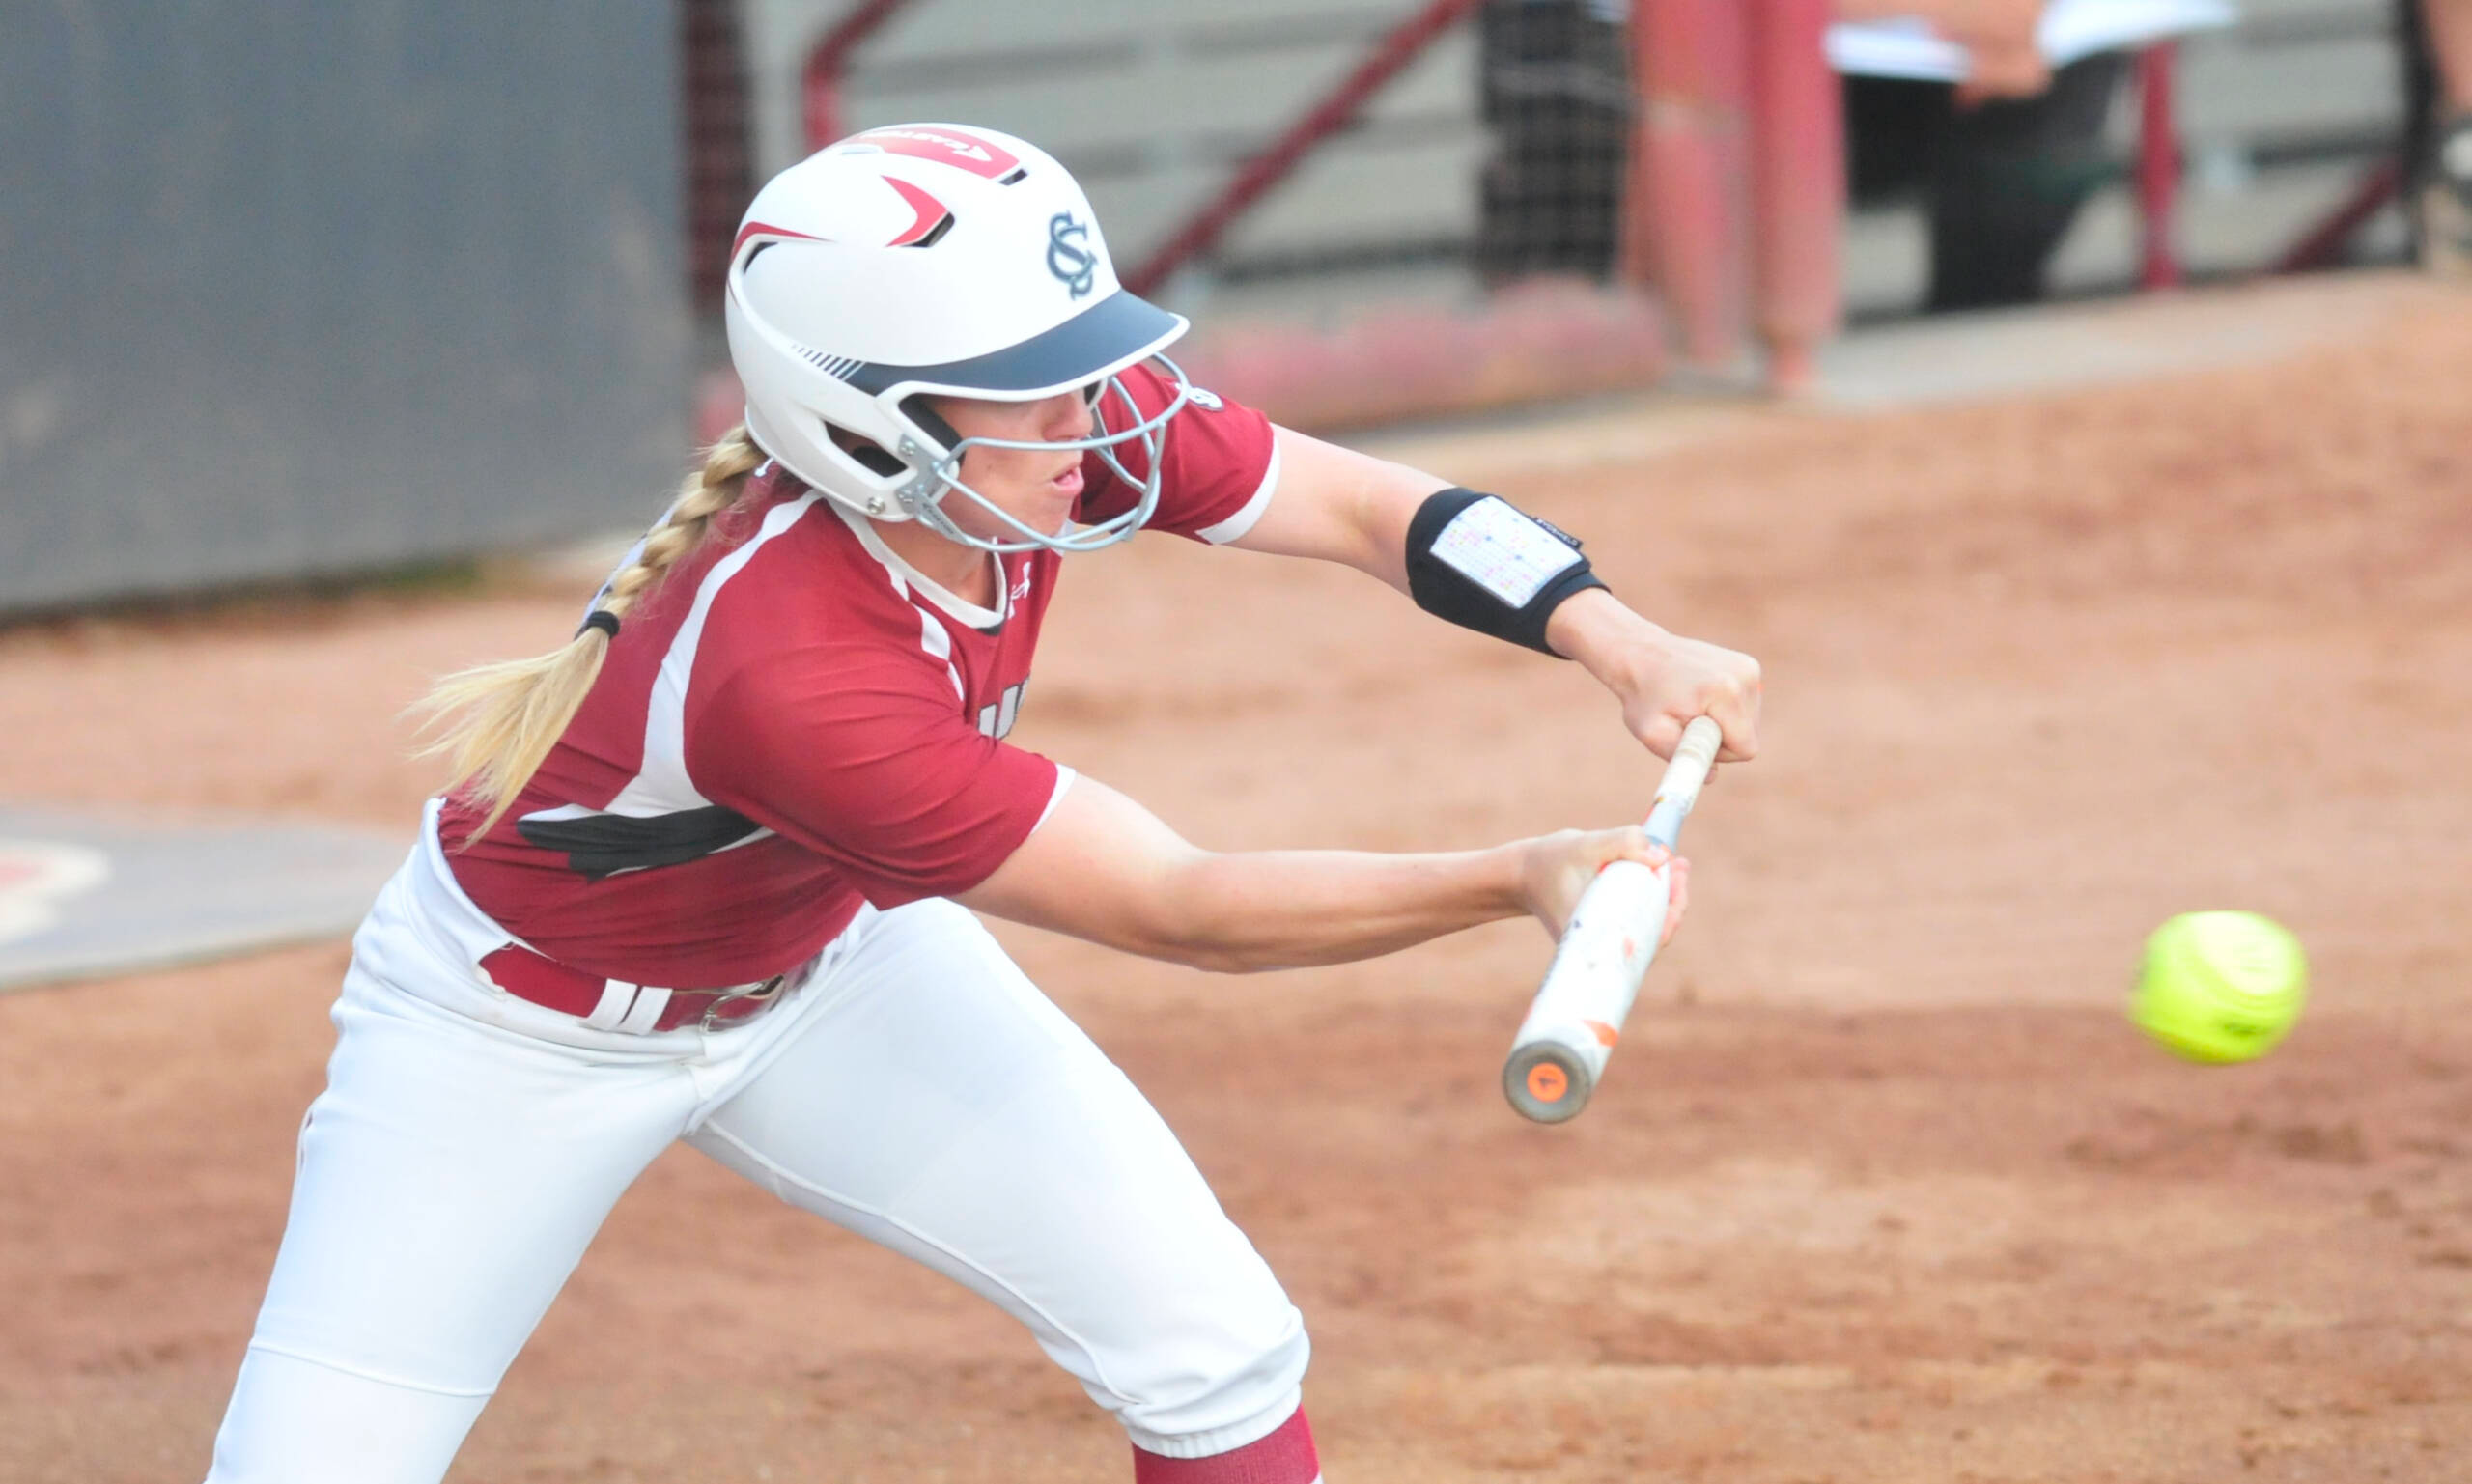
x=1554 y=871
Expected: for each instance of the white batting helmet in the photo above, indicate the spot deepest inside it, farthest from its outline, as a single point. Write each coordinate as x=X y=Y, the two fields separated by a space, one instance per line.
x=934 y=258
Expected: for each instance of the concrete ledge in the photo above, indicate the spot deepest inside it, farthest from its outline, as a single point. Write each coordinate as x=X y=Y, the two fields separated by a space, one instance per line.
x=87 y=895
x=1537 y=342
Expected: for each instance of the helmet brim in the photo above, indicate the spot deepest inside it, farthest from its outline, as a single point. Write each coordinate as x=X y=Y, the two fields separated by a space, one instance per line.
x=1102 y=339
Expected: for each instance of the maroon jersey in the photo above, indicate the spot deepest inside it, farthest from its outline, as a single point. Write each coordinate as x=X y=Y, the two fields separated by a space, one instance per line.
x=796 y=721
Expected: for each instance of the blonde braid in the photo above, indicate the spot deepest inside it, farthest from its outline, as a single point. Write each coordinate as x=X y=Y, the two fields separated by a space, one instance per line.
x=497 y=723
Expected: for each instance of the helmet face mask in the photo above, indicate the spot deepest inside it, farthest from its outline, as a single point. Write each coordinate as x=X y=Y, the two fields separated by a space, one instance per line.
x=937 y=259
x=923 y=498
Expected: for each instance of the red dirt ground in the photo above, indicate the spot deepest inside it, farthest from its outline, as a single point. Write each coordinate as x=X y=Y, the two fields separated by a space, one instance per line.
x=1881 y=1188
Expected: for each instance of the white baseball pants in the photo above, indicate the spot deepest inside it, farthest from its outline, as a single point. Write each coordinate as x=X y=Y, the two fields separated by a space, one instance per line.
x=915 y=1088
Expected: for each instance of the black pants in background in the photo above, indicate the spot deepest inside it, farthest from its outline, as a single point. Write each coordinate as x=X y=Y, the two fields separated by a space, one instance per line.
x=2000 y=181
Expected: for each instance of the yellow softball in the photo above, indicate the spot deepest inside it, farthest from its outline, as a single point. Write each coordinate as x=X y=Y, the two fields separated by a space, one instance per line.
x=2220 y=986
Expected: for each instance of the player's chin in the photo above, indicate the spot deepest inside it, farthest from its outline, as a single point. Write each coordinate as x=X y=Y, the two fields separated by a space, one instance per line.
x=1064 y=493
x=1050 y=510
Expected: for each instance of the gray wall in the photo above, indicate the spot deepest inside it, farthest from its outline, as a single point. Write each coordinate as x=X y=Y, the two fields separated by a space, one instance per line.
x=289 y=289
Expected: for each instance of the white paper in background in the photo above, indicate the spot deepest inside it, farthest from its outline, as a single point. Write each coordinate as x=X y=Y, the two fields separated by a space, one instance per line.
x=2070 y=29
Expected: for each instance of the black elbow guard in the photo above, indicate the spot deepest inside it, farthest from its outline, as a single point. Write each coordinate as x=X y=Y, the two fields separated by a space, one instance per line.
x=1479 y=562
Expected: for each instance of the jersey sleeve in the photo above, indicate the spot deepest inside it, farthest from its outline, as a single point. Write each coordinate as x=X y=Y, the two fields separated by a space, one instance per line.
x=868 y=763
x=1220 y=463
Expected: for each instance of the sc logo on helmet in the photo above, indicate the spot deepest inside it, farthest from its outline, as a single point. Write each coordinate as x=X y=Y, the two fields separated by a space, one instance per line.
x=1067 y=253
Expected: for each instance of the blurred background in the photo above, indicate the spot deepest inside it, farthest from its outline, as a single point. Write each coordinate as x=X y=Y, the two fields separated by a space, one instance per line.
x=300 y=292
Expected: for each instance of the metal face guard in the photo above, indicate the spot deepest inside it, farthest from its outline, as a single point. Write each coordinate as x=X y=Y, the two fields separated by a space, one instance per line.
x=924 y=496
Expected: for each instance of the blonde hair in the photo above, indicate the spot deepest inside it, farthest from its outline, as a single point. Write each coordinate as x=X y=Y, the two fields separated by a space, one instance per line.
x=497 y=723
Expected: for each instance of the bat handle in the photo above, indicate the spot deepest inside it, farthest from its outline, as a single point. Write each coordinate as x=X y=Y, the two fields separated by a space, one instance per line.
x=1679 y=789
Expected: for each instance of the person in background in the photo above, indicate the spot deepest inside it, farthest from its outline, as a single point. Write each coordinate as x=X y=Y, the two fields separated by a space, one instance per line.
x=2000 y=162
x=2437 y=60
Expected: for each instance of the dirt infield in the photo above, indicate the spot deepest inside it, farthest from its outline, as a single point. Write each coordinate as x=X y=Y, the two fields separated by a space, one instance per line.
x=1881 y=1186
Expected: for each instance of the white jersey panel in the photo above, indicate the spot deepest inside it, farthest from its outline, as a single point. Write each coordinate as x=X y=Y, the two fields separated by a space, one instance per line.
x=663 y=786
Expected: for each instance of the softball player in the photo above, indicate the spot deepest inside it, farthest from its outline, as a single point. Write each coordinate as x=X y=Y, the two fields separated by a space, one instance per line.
x=708 y=869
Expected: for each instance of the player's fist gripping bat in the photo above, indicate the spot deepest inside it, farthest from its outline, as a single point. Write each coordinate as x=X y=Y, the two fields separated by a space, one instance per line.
x=1605 y=951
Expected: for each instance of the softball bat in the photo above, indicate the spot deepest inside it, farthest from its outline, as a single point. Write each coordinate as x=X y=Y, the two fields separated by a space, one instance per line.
x=1605 y=951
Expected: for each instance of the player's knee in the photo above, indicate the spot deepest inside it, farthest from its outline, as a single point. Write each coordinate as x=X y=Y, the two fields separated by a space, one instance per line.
x=1210 y=1391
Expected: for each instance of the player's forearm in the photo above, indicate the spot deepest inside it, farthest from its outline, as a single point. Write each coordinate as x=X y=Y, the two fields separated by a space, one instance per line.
x=1244 y=911
x=1342 y=506
x=1102 y=868
x=1601 y=633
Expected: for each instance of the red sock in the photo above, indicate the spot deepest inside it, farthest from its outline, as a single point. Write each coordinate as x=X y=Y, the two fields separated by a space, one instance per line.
x=1285 y=1457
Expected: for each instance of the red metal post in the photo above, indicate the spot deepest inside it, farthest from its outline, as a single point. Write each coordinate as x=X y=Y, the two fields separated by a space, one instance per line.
x=1403 y=45
x=2321 y=247
x=820 y=78
x=1798 y=185
x=1683 y=214
x=2158 y=168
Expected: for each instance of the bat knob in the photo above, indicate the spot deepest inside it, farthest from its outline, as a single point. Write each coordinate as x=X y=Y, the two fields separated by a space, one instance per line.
x=1546 y=1082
